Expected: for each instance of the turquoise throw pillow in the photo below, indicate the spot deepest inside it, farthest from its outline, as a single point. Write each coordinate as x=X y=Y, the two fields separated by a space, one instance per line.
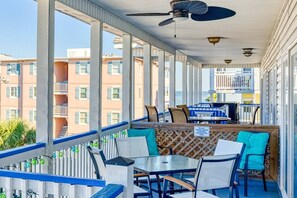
x=150 y=138
x=255 y=143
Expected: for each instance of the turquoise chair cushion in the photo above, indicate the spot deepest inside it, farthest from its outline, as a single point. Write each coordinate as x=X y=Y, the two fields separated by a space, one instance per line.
x=255 y=143
x=150 y=136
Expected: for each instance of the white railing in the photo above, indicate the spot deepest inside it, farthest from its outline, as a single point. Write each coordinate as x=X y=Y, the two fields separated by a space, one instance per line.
x=234 y=82
x=61 y=88
x=61 y=111
x=246 y=112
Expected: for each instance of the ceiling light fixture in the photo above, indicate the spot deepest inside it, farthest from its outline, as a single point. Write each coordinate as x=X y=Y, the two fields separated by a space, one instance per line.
x=228 y=61
x=214 y=39
x=247 y=52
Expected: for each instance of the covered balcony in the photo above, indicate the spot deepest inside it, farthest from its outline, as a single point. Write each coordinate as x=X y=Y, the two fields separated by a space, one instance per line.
x=161 y=66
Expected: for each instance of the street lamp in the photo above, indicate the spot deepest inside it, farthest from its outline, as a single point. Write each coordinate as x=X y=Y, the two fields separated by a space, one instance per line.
x=2 y=80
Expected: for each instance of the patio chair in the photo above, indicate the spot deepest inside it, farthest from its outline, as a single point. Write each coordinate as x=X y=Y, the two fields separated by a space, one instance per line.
x=178 y=115
x=185 y=108
x=254 y=154
x=98 y=159
x=132 y=147
x=152 y=113
x=213 y=172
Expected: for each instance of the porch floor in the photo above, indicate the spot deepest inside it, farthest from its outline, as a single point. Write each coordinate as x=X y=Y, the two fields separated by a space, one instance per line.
x=255 y=189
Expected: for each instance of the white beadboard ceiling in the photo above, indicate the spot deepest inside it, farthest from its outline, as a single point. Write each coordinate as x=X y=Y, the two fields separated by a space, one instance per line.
x=251 y=27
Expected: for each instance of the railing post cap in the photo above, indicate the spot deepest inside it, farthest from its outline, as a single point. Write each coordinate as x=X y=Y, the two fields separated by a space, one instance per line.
x=120 y=161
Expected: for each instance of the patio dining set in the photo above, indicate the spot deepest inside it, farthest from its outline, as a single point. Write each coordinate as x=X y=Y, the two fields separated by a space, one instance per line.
x=182 y=176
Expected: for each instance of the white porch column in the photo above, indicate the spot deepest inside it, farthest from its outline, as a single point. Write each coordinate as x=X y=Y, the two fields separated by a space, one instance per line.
x=199 y=84
x=147 y=59
x=172 y=69
x=161 y=81
x=45 y=77
x=127 y=78
x=196 y=85
x=184 y=82
x=96 y=76
x=190 y=96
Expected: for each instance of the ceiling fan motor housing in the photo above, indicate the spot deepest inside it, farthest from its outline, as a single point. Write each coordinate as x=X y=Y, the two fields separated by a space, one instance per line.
x=180 y=14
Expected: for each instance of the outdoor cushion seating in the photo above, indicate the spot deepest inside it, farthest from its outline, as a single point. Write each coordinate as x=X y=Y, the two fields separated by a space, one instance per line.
x=99 y=162
x=213 y=172
x=254 y=154
x=185 y=108
x=152 y=113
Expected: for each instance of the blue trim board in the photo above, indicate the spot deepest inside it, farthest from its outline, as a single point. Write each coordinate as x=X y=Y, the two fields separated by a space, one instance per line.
x=52 y=178
x=114 y=126
x=140 y=119
x=19 y=150
x=109 y=191
x=73 y=137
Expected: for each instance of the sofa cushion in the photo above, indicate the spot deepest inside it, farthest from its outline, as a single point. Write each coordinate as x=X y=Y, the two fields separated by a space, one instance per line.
x=150 y=138
x=255 y=143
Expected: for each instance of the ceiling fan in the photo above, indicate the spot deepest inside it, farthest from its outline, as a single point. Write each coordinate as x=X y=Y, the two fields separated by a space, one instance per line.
x=199 y=12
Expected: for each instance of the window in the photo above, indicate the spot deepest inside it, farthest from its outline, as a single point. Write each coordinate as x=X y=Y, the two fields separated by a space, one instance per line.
x=114 y=67
x=33 y=69
x=13 y=69
x=82 y=67
x=81 y=118
x=113 y=118
x=81 y=93
x=12 y=114
x=32 y=115
x=13 y=92
x=114 y=93
x=33 y=92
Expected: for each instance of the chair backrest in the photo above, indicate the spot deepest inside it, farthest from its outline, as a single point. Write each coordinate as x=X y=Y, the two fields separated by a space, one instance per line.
x=226 y=147
x=253 y=118
x=256 y=143
x=132 y=147
x=178 y=115
x=185 y=108
x=215 y=172
x=152 y=113
x=98 y=160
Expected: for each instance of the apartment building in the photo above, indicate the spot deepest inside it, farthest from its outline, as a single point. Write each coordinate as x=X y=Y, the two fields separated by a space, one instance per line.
x=71 y=90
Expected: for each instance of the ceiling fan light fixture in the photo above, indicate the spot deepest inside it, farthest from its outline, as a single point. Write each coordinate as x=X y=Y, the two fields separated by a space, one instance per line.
x=228 y=61
x=214 y=39
x=247 y=49
x=247 y=54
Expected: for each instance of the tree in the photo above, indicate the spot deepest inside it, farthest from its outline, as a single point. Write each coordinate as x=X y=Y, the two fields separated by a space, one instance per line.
x=16 y=133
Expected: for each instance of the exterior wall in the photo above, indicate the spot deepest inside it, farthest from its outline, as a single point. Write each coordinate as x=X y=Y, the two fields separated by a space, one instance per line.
x=138 y=88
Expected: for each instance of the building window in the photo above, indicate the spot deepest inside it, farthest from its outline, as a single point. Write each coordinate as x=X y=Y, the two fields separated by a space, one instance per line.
x=33 y=92
x=13 y=69
x=81 y=118
x=114 y=67
x=13 y=92
x=33 y=69
x=81 y=93
x=82 y=67
x=114 y=93
x=113 y=118
x=32 y=115
x=12 y=114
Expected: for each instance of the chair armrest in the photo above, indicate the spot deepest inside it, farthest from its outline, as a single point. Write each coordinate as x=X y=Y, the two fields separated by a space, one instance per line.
x=140 y=175
x=169 y=148
x=179 y=182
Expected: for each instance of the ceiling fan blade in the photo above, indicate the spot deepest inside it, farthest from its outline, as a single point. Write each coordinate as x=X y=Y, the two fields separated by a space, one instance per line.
x=214 y=13
x=195 y=7
x=166 y=22
x=148 y=14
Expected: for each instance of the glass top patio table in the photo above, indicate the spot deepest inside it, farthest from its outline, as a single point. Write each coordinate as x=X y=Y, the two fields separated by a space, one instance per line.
x=208 y=119
x=165 y=164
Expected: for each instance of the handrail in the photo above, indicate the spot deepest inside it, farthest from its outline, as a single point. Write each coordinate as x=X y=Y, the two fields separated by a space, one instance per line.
x=114 y=126
x=52 y=178
x=109 y=191
x=20 y=150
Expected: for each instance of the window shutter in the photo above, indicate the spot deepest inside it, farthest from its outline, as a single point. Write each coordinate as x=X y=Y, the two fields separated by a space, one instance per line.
x=88 y=68
x=31 y=90
x=121 y=67
x=109 y=93
x=19 y=92
x=120 y=117
x=8 y=92
x=109 y=68
x=18 y=69
x=77 y=68
x=87 y=118
x=76 y=117
x=108 y=118
x=31 y=69
x=120 y=90
x=31 y=115
x=77 y=92
x=17 y=113
x=8 y=69
x=7 y=114
x=88 y=93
